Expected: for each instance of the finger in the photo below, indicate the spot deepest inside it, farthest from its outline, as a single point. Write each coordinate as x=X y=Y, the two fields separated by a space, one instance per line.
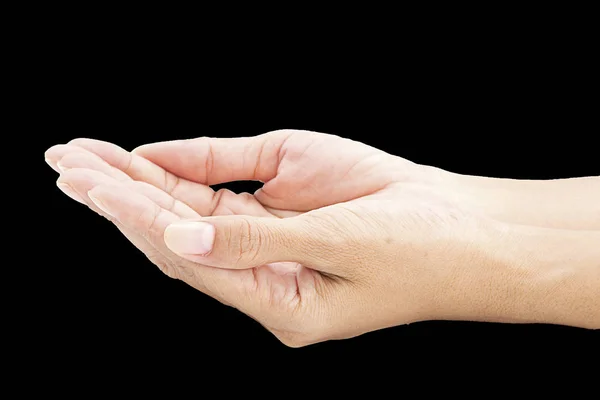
x=55 y=153
x=139 y=214
x=80 y=180
x=88 y=160
x=226 y=202
x=223 y=202
x=162 y=199
x=240 y=242
x=212 y=161
x=198 y=197
x=83 y=180
x=134 y=211
x=77 y=182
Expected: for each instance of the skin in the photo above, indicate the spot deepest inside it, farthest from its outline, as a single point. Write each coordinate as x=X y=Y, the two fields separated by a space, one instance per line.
x=343 y=238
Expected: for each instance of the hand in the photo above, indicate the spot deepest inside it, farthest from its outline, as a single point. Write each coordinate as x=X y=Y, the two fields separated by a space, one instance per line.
x=342 y=239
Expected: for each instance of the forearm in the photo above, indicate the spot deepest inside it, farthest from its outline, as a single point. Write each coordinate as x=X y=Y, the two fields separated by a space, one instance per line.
x=561 y=203
x=533 y=275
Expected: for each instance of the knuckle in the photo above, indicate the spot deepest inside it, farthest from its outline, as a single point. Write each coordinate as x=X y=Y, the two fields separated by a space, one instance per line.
x=246 y=197
x=221 y=198
x=225 y=194
x=172 y=182
x=243 y=241
x=205 y=152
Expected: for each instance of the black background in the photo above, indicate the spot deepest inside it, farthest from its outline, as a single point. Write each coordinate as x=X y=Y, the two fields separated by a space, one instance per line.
x=485 y=104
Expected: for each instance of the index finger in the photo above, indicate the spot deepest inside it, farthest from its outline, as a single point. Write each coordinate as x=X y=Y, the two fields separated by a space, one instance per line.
x=212 y=161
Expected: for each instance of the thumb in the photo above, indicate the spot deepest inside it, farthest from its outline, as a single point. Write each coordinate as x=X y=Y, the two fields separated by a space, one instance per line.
x=240 y=242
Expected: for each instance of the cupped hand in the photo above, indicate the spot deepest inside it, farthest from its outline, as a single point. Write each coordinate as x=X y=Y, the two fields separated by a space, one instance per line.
x=341 y=239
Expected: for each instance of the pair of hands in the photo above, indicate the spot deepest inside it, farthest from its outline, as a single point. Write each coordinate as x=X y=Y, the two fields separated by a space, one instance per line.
x=342 y=239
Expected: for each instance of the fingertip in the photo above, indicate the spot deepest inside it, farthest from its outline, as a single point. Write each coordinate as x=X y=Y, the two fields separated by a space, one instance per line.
x=94 y=192
x=150 y=146
x=95 y=195
x=52 y=164
x=64 y=179
x=51 y=152
x=88 y=160
x=53 y=155
x=69 y=191
x=79 y=141
x=56 y=153
x=149 y=149
x=140 y=149
x=102 y=190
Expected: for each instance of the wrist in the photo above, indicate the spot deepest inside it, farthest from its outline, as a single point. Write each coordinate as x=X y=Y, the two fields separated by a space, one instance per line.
x=559 y=203
x=533 y=275
x=563 y=267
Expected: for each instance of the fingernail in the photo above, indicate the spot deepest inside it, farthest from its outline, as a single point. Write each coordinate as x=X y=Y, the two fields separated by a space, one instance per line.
x=61 y=167
x=68 y=190
x=99 y=204
x=190 y=237
x=49 y=162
